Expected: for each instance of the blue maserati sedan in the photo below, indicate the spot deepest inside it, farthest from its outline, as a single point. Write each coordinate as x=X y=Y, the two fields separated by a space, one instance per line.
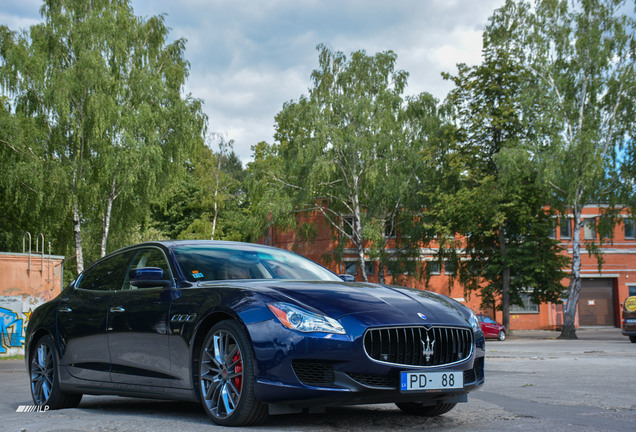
x=247 y=331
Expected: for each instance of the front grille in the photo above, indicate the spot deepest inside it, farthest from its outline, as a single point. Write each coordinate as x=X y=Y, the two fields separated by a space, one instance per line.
x=418 y=346
x=314 y=373
x=375 y=380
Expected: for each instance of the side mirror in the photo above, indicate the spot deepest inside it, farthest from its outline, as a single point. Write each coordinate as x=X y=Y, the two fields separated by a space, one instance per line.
x=147 y=277
x=347 y=277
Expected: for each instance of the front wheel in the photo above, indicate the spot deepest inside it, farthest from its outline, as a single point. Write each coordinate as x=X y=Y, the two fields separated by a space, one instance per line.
x=418 y=409
x=226 y=377
x=632 y=339
x=502 y=335
x=45 y=384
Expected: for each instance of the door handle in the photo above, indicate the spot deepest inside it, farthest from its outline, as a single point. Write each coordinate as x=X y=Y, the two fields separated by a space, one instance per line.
x=117 y=309
x=65 y=309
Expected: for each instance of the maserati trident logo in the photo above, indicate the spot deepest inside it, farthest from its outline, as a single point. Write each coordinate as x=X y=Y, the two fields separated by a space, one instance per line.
x=427 y=348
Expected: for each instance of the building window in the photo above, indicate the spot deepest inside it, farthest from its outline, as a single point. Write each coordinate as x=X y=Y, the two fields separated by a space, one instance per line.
x=528 y=305
x=369 y=266
x=589 y=229
x=552 y=234
x=565 y=225
x=433 y=267
x=351 y=267
x=630 y=229
x=450 y=267
x=400 y=267
x=347 y=225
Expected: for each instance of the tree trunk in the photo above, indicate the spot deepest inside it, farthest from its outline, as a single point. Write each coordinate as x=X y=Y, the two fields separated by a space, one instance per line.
x=574 y=289
x=381 y=279
x=216 y=195
x=505 y=286
x=78 y=237
x=77 y=225
x=361 y=260
x=214 y=220
x=357 y=230
x=107 y=215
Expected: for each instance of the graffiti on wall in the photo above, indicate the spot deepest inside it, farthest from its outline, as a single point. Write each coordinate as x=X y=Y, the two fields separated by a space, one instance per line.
x=14 y=317
x=11 y=330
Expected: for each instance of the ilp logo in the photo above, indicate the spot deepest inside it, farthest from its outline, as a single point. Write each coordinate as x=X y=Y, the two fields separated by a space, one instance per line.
x=32 y=408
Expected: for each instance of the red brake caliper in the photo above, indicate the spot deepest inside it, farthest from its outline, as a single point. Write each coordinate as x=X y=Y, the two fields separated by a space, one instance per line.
x=237 y=369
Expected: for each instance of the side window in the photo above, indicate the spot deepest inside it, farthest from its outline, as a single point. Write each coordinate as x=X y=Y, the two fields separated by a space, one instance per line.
x=148 y=257
x=107 y=274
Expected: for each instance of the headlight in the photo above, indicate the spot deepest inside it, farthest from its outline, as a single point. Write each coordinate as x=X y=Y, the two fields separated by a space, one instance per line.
x=474 y=322
x=304 y=321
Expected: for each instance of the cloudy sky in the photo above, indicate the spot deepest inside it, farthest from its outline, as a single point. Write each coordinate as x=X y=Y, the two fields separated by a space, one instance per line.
x=249 y=57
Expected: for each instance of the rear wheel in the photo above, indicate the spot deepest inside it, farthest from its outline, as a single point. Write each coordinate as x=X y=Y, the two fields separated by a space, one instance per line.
x=418 y=409
x=632 y=339
x=502 y=335
x=45 y=384
x=226 y=377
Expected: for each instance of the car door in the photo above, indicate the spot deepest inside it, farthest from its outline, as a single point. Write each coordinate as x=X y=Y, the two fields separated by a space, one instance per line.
x=138 y=326
x=82 y=319
x=489 y=327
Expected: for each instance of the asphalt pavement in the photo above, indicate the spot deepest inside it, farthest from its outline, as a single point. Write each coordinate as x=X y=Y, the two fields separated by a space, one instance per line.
x=534 y=382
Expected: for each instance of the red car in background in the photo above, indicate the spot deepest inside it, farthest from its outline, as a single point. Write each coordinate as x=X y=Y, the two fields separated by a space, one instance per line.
x=491 y=328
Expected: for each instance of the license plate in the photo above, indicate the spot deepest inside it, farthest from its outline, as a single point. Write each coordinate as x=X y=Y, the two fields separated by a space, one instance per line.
x=630 y=321
x=421 y=381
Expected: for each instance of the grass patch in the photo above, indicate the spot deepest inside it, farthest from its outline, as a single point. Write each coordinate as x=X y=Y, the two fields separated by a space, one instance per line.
x=12 y=357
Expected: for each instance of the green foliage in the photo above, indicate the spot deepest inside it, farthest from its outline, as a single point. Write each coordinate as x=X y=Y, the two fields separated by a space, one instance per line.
x=351 y=151
x=208 y=202
x=108 y=128
x=581 y=94
x=497 y=200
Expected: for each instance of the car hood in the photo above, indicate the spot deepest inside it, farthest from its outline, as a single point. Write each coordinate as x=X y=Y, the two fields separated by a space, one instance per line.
x=375 y=304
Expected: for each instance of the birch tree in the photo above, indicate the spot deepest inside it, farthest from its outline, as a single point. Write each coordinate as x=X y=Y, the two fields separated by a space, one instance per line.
x=581 y=93
x=105 y=86
x=497 y=203
x=342 y=151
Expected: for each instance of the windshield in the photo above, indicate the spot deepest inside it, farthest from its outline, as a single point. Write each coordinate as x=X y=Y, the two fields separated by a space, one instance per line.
x=211 y=262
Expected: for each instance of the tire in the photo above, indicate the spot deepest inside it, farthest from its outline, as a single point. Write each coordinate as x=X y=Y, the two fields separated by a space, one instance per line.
x=632 y=339
x=226 y=377
x=45 y=384
x=418 y=409
x=502 y=335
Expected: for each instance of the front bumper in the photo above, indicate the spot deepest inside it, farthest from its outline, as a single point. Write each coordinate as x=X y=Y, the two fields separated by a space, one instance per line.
x=310 y=370
x=629 y=326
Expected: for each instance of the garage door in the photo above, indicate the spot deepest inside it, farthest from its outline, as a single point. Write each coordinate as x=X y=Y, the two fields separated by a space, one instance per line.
x=596 y=302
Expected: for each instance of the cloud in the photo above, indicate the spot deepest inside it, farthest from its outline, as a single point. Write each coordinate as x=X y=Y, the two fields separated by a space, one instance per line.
x=249 y=57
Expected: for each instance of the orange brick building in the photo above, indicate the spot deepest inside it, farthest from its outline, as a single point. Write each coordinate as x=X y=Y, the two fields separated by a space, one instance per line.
x=602 y=292
x=26 y=281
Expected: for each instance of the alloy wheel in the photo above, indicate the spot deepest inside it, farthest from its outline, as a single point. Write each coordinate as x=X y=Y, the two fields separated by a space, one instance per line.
x=222 y=374
x=42 y=369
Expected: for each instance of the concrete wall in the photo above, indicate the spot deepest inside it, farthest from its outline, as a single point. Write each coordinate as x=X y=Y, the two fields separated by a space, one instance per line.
x=24 y=285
